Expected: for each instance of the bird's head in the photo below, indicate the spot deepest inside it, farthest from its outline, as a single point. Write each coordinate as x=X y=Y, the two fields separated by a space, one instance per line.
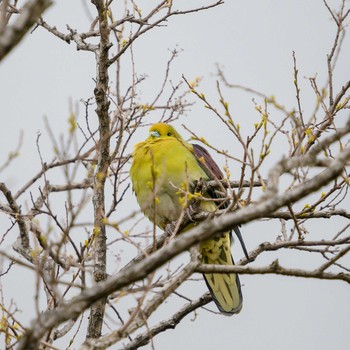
x=162 y=130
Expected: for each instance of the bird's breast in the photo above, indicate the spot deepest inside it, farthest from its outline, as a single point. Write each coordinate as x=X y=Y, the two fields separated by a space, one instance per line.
x=160 y=172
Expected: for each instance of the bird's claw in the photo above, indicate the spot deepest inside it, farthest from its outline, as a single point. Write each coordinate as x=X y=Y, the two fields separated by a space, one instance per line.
x=170 y=228
x=190 y=212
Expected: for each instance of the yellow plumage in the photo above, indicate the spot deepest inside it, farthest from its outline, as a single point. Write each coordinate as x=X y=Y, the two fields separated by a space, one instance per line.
x=162 y=165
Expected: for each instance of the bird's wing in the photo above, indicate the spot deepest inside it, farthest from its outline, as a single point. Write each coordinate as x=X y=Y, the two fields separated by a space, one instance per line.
x=212 y=170
x=207 y=163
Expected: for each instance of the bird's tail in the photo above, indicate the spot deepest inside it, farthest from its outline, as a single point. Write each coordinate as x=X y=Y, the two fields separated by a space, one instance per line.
x=225 y=288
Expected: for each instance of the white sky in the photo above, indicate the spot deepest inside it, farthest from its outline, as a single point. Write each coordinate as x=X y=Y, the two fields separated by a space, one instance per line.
x=253 y=41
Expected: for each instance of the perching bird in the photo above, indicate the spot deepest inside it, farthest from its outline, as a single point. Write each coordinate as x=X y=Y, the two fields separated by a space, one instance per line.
x=162 y=165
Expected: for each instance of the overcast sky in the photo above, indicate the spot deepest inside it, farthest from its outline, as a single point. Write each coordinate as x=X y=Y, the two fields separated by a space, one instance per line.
x=253 y=41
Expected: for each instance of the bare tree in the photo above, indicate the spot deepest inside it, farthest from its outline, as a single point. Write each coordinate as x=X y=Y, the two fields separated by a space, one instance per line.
x=72 y=273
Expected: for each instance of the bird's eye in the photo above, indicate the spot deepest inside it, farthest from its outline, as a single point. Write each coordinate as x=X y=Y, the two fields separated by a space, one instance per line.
x=169 y=134
x=154 y=134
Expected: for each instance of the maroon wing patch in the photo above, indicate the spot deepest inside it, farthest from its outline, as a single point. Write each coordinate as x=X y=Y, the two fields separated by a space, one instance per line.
x=209 y=166
x=207 y=163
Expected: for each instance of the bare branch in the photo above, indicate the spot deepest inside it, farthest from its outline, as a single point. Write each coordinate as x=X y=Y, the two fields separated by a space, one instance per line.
x=276 y=269
x=170 y=323
x=23 y=229
x=102 y=111
x=12 y=34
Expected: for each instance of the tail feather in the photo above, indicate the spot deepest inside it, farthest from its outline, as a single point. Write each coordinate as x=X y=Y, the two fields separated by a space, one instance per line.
x=224 y=288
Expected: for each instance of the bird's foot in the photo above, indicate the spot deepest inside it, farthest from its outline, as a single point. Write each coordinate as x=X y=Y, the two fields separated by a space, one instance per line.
x=190 y=212
x=170 y=228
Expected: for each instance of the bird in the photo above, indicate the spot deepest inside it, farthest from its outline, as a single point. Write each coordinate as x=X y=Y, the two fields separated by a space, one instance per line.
x=163 y=168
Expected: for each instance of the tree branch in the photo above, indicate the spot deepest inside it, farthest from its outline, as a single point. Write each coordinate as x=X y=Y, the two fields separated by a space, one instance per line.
x=23 y=229
x=276 y=269
x=101 y=96
x=170 y=323
x=12 y=34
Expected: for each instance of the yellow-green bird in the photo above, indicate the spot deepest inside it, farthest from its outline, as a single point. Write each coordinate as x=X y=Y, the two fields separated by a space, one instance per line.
x=164 y=164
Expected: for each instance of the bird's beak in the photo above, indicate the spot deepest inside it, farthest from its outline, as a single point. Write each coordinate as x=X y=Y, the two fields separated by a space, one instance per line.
x=154 y=134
